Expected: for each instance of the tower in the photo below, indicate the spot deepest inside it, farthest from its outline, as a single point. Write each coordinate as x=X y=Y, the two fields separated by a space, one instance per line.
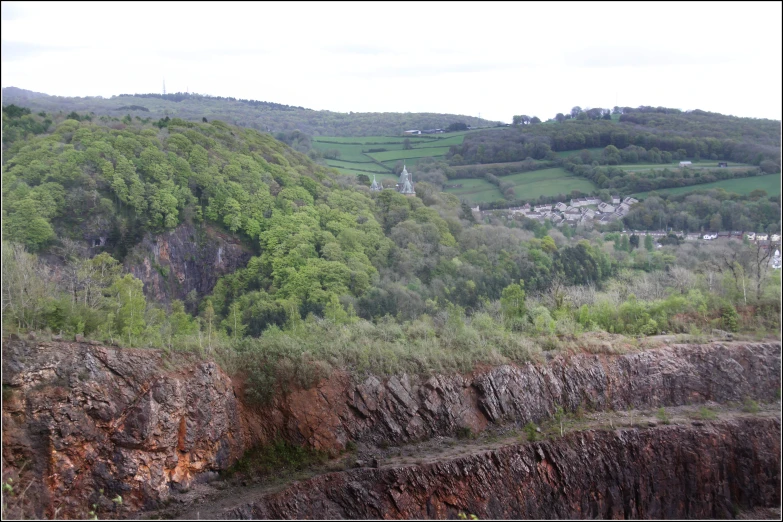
x=164 y=86
x=375 y=187
x=405 y=184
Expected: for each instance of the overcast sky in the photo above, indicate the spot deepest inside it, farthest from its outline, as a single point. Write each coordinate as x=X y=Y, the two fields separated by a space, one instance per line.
x=496 y=59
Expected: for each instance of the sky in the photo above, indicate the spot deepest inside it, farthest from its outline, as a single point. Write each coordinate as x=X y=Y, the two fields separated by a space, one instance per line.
x=489 y=59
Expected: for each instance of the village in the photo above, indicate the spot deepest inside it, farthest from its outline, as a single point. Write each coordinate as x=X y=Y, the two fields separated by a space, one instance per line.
x=590 y=211
x=578 y=211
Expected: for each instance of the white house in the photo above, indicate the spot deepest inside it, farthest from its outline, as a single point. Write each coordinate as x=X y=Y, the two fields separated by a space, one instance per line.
x=761 y=237
x=685 y=164
x=606 y=208
x=751 y=236
x=775 y=237
x=561 y=207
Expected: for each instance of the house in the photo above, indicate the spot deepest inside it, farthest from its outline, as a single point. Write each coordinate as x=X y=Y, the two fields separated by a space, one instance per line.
x=578 y=202
x=710 y=236
x=685 y=164
x=691 y=237
x=775 y=238
x=723 y=164
x=411 y=132
x=762 y=237
x=751 y=236
x=541 y=208
x=615 y=200
x=737 y=234
x=606 y=208
x=556 y=220
x=561 y=207
x=724 y=235
x=526 y=206
x=592 y=201
x=630 y=201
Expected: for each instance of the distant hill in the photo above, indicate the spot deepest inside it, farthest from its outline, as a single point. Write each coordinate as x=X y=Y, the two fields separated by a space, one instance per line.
x=254 y=114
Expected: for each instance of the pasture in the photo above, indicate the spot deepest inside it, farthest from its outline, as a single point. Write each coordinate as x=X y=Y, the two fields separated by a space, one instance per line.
x=392 y=155
x=354 y=150
x=372 y=167
x=770 y=183
x=475 y=190
x=547 y=182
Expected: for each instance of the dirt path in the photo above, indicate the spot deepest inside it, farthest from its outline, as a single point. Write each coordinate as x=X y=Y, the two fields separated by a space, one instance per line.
x=213 y=500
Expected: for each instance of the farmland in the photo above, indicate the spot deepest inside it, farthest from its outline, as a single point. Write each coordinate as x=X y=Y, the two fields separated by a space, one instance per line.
x=527 y=185
x=475 y=190
x=363 y=155
x=547 y=182
x=770 y=183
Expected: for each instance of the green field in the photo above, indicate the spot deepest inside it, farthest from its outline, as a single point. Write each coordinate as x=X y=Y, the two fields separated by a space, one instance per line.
x=770 y=183
x=527 y=185
x=368 y=140
x=373 y=167
x=429 y=152
x=408 y=161
x=566 y=153
x=547 y=182
x=352 y=149
x=475 y=190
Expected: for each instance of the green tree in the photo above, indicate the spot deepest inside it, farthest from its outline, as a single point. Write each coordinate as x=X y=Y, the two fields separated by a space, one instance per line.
x=648 y=243
x=130 y=305
x=512 y=300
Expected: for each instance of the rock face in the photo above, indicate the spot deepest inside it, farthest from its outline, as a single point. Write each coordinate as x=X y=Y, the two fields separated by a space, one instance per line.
x=89 y=418
x=403 y=409
x=667 y=472
x=80 y=418
x=184 y=259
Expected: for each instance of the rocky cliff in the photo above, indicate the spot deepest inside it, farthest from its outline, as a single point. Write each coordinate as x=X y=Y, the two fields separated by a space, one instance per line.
x=187 y=258
x=404 y=408
x=667 y=472
x=86 y=422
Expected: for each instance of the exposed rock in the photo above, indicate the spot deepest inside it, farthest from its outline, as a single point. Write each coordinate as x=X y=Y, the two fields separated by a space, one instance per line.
x=132 y=423
x=669 y=472
x=187 y=258
x=394 y=412
x=90 y=418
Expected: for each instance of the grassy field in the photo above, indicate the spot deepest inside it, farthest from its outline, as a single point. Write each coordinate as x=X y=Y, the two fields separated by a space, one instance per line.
x=373 y=167
x=429 y=152
x=547 y=182
x=353 y=149
x=475 y=190
x=595 y=151
x=770 y=183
